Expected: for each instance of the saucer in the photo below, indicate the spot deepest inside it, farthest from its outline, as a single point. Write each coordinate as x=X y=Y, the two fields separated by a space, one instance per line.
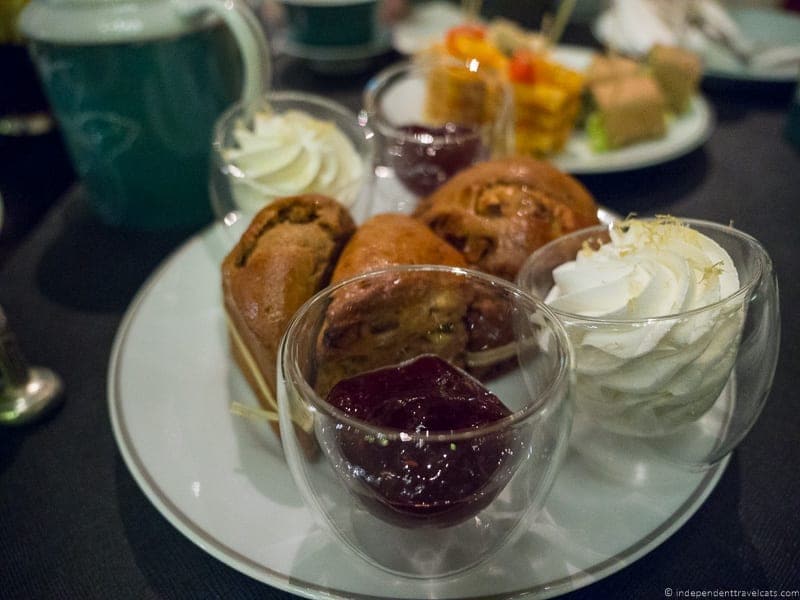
x=336 y=60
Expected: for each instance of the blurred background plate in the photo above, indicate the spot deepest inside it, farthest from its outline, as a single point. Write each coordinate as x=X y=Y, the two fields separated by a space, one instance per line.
x=762 y=25
x=425 y=24
x=684 y=133
x=768 y=26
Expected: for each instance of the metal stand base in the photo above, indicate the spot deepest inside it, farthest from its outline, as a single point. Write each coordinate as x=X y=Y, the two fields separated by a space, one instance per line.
x=34 y=399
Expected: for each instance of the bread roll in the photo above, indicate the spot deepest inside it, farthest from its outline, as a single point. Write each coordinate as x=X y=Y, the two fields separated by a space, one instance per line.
x=497 y=213
x=286 y=255
x=392 y=239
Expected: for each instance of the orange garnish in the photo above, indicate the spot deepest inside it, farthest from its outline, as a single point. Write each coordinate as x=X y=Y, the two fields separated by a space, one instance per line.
x=522 y=68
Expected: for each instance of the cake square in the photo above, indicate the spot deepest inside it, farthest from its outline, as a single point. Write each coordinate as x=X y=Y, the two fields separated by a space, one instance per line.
x=631 y=109
x=610 y=66
x=677 y=72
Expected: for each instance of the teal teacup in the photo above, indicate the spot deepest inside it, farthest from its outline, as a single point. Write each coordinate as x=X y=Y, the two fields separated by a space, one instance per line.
x=332 y=22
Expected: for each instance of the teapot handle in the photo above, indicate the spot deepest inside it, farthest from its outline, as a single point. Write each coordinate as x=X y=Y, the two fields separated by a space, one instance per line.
x=249 y=36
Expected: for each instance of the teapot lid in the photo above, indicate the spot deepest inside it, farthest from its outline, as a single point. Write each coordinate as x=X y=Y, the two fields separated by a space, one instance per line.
x=103 y=21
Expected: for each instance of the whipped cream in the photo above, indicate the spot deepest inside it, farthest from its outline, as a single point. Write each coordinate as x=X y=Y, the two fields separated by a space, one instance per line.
x=291 y=153
x=635 y=373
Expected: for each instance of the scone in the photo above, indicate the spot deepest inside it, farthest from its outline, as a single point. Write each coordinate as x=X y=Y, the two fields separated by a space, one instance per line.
x=391 y=239
x=498 y=212
x=362 y=330
x=285 y=256
x=375 y=324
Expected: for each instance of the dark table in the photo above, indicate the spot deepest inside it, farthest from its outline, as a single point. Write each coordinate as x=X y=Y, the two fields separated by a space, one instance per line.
x=74 y=524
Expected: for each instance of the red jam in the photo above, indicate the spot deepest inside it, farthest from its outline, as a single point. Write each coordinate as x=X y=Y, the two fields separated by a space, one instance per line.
x=434 y=154
x=433 y=483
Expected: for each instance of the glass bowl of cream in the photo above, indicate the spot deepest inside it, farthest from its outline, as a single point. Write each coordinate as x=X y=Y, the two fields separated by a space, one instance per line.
x=675 y=328
x=285 y=144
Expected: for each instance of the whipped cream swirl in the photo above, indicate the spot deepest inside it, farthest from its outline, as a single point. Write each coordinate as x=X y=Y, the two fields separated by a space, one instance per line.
x=637 y=373
x=291 y=153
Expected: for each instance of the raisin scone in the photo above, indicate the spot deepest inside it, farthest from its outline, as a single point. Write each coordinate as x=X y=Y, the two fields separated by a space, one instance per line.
x=393 y=239
x=286 y=255
x=498 y=212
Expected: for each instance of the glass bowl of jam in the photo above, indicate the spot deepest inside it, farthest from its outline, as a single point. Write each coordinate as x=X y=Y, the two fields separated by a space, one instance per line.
x=433 y=117
x=424 y=413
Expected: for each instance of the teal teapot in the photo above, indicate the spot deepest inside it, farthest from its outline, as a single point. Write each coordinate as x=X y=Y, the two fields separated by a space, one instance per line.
x=135 y=87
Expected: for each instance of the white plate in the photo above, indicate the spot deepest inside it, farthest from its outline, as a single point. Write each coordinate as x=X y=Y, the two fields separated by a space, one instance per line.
x=684 y=134
x=222 y=481
x=763 y=26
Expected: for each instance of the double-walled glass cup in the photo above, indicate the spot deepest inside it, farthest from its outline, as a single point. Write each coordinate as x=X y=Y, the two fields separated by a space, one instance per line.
x=444 y=487
x=433 y=117
x=689 y=385
x=287 y=143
